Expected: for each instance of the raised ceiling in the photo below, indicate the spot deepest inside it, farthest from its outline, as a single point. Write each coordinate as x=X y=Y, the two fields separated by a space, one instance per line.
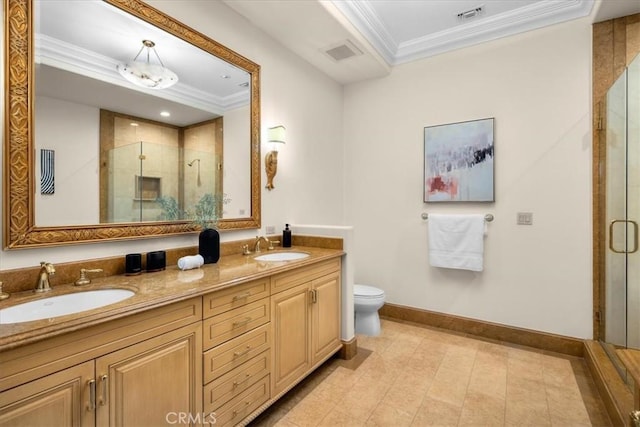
x=385 y=33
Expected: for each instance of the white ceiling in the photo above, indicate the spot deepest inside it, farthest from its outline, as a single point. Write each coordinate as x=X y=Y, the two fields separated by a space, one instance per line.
x=386 y=32
x=72 y=66
x=392 y=32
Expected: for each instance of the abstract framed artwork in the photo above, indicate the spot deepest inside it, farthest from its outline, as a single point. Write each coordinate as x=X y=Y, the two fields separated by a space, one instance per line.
x=47 y=171
x=458 y=162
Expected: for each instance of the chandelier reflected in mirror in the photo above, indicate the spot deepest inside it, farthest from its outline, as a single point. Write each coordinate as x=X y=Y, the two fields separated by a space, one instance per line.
x=145 y=73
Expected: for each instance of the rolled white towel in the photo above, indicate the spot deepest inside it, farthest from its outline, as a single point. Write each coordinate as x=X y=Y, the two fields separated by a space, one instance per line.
x=189 y=262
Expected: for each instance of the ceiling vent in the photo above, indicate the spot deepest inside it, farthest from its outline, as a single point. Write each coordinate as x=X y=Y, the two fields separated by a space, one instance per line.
x=343 y=51
x=471 y=13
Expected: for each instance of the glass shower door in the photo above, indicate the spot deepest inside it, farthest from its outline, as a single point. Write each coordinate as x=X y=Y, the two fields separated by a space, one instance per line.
x=622 y=260
x=633 y=201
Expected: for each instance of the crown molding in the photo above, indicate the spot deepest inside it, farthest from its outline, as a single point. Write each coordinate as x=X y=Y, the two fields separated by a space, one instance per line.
x=69 y=57
x=363 y=17
x=533 y=16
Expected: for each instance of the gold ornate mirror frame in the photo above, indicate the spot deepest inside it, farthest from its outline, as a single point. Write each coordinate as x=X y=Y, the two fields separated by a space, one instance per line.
x=20 y=230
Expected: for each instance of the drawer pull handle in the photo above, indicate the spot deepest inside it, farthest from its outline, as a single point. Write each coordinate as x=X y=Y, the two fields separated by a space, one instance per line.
x=242 y=353
x=92 y=395
x=242 y=322
x=235 y=413
x=237 y=383
x=105 y=390
x=244 y=295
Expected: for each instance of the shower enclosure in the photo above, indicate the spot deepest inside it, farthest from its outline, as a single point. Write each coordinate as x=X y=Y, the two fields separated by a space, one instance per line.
x=620 y=297
x=154 y=182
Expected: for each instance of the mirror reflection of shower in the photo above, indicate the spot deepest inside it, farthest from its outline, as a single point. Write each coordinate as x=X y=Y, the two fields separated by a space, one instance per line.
x=190 y=164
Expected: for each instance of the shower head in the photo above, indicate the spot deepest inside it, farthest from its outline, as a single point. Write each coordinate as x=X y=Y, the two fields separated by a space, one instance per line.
x=192 y=162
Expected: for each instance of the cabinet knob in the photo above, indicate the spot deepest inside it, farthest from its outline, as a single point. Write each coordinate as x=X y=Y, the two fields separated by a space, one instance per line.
x=242 y=353
x=237 y=383
x=244 y=295
x=242 y=322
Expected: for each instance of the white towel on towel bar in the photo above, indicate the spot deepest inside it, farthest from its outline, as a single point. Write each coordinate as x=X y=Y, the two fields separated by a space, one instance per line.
x=456 y=241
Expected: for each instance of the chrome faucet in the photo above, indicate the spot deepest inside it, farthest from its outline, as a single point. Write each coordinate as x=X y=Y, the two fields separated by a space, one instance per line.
x=259 y=239
x=46 y=270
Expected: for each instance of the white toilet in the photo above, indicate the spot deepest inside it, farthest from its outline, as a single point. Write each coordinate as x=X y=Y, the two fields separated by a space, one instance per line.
x=367 y=300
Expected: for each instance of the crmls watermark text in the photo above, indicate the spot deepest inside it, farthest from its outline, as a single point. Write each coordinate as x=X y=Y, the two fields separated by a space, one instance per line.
x=189 y=418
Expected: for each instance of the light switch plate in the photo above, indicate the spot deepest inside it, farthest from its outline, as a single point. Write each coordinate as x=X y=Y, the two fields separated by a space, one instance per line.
x=524 y=218
x=270 y=229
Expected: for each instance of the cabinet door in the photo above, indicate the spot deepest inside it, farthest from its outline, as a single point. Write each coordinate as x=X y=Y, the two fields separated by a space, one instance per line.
x=325 y=315
x=291 y=336
x=153 y=382
x=61 y=399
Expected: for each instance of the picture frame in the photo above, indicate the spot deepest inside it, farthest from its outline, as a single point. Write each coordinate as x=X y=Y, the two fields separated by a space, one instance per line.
x=47 y=171
x=459 y=162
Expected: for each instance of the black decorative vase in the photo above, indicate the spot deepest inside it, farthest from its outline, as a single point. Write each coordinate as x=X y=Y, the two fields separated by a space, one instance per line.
x=209 y=245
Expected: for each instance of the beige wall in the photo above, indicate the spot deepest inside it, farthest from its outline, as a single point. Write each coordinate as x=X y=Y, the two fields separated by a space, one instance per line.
x=76 y=163
x=537 y=86
x=236 y=172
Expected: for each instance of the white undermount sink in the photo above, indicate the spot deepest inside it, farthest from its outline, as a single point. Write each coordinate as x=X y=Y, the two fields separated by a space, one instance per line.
x=61 y=305
x=281 y=256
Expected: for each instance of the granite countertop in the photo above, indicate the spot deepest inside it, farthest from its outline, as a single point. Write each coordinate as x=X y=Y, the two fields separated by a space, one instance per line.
x=152 y=290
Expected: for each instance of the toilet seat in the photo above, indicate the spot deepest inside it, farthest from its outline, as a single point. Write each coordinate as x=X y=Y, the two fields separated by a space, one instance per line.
x=364 y=291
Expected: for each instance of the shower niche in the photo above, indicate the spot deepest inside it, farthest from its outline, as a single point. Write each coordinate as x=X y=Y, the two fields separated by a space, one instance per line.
x=152 y=171
x=148 y=188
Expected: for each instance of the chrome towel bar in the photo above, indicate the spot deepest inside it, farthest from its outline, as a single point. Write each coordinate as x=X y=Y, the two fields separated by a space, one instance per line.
x=487 y=217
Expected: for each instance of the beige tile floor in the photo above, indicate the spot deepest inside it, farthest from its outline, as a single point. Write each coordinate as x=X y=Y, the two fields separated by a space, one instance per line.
x=413 y=375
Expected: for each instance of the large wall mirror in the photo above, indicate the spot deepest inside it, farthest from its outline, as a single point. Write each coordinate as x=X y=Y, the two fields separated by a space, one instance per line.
x=103 y=142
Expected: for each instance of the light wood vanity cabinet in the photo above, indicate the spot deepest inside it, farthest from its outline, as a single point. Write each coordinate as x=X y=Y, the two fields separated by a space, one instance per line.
x=58 y=399
x=291 y=336
x=151 y=382
x=228 y=354
x=237 y=356
x=325 y=317
x=305 y=312
x=133 y=371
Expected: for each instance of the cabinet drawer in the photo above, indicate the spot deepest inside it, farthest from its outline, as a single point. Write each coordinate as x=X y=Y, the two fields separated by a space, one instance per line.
x=234 y=411
x=234 y=353
x=236 y=381
x=283 y=281
x=230 y=324
x=237 y=296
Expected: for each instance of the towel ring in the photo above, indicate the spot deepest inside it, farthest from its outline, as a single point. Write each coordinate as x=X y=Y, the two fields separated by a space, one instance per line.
x=487 y=217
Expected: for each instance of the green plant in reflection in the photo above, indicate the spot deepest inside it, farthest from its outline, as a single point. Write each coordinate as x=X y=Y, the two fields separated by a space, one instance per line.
x=170 y=209
x=205 y=213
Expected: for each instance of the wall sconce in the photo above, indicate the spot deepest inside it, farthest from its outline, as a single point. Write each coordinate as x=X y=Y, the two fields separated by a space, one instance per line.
x=275 y=136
